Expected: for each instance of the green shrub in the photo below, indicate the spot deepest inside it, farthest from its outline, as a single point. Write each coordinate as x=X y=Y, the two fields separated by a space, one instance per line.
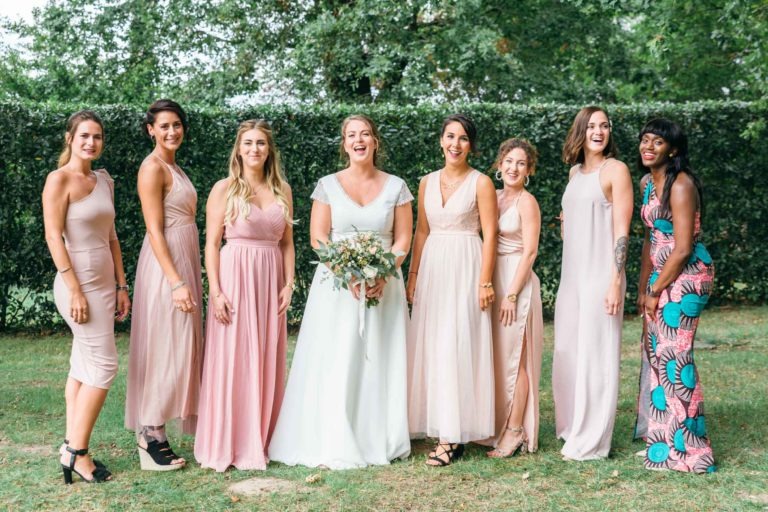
x=730 y=159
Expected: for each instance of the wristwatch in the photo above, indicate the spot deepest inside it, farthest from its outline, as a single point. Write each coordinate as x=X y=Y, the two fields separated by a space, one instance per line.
x=125 y=287
x=512 y=297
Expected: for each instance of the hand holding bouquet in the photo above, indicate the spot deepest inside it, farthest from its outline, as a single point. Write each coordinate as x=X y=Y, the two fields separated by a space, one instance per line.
x=358 y=259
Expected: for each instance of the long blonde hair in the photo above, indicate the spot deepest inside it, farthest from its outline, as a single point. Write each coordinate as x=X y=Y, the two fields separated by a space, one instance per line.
x=239 y=191
x=72 y=123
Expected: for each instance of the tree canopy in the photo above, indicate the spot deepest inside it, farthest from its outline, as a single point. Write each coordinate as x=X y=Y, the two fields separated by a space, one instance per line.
x=229 y=51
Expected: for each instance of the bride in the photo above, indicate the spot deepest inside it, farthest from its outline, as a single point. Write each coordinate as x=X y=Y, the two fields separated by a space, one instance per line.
x=345 y=401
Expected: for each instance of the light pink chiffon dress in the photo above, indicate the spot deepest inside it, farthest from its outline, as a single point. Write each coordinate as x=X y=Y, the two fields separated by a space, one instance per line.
x=166 y=352
x=450 y=354
x=88 y=229
x=244 y=368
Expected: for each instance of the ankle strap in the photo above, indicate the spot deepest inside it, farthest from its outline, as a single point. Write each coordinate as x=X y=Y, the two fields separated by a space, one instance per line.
x=516 y=430
x=82 y=451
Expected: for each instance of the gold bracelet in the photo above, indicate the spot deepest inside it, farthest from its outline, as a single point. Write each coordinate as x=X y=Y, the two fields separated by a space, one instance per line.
x=512 y=297
x=486 y=285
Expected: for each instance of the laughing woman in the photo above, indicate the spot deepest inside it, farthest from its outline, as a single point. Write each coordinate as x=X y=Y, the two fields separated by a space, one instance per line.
x=344 y=402
x=450 y=283
x=250 y=287
x=597 y=210
x=518 y=325
x=79 y=216
x=166 y=352
x=677 y=275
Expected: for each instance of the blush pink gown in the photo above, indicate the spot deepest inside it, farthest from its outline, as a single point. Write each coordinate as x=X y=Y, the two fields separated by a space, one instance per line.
x=244 y=368
x=166 y=352
x=450 y=346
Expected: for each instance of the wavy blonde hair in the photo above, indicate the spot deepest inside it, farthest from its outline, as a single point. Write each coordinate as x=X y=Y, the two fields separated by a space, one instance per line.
x=239 y=191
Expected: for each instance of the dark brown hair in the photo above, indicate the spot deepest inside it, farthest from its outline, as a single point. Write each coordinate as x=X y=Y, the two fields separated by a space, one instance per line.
x=467 y=124
x=530 y=151
x=164 y=105
x=72 y=123
x=573 y=148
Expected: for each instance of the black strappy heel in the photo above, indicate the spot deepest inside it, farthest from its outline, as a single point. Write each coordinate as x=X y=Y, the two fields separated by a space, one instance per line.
x=99 y=475
x=158 y=456
x=97 y=463
x=453 y=450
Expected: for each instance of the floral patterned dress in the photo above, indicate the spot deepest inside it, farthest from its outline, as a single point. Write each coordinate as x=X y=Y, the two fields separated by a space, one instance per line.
x=676 y=435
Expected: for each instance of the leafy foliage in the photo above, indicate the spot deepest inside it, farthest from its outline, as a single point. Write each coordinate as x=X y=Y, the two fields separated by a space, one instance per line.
x=209 y=53
x=732 y=168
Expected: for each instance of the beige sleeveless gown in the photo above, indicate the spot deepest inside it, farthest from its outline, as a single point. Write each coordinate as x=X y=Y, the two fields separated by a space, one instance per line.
x=166 y=353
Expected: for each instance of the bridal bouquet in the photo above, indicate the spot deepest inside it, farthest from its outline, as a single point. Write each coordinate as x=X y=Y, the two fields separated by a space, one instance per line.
x=358 y=259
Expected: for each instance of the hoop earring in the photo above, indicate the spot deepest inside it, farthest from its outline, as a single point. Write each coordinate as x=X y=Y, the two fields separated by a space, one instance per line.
x=527 y=180
x=152 y=138
x=498 y=174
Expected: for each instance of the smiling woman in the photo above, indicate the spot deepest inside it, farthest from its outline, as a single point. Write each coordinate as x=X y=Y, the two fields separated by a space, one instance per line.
x=79 y=216
x=597 y=210
x=166 y=329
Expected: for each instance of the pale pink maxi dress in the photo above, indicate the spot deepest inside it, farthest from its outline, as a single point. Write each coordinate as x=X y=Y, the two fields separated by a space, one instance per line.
x=450 y=354
x=585 y=366
x=508 y=340
x=88 y=229
x=166 y=352
x=244 y=368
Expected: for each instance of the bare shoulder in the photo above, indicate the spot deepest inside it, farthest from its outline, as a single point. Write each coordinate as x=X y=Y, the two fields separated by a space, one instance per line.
x=617 y=168
x=58 y=179
x=151 y=172
x=528 y=201
x=220 y=187
x=485 y=185
x=683 y=184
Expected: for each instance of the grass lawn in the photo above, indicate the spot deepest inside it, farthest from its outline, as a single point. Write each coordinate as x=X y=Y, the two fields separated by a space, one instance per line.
x=732 y=362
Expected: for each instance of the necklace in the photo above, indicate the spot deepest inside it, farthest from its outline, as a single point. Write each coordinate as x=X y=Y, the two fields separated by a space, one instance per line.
x=452 y=185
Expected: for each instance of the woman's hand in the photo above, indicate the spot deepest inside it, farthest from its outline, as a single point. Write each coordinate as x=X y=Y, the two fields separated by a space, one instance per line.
x=507 y=312
x=182 y=299
x=640 y=303
x=410 y=289
x=377 y=289
x=78 y=307
x=613 y=298
x=286 y=294
x=123 y=305
x=485 y=297
x=222 y=309
x=650 y=306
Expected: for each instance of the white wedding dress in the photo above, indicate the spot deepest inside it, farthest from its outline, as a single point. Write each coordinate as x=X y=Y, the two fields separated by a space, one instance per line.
x=345 y=404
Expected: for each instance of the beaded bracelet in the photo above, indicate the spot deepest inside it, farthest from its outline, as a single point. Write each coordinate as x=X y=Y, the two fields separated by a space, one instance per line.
x=178 y=285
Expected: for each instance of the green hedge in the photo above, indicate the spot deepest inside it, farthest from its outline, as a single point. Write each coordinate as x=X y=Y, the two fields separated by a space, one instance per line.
x=730 y=159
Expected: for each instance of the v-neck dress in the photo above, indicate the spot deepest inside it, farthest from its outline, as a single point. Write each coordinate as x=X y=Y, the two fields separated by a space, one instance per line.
x=345 y=401
x=450 y=350
x=244 y=367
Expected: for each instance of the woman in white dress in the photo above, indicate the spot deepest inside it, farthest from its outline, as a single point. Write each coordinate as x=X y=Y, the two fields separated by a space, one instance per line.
x=345 y=401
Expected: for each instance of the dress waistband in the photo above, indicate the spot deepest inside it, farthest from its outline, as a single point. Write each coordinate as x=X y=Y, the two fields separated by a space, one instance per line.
x=180 y=222
x=453 y=233
x=72 y=250
x=250 y=242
